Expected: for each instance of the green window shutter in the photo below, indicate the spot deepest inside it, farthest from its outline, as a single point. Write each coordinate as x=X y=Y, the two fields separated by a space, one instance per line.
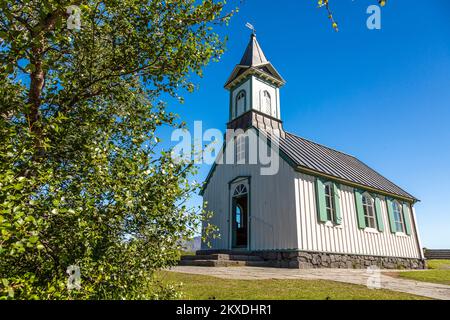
x=337 y=203
x=379 y=214
x=320 y=199
x=391 y=215
x=360 y=209
x=406 y=218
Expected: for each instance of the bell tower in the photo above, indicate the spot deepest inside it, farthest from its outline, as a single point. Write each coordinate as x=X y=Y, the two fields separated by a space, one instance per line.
x=254 y=87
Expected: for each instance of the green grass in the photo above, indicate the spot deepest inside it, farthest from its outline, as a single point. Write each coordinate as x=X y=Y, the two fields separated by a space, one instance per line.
x=439 y=272
x=197 y=287
x=438 y=264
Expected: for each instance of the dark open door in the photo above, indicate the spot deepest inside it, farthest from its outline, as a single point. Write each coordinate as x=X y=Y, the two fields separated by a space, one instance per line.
x=240 y=221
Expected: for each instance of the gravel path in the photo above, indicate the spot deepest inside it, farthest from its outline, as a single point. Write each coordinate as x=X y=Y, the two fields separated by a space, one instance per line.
x=361 y=277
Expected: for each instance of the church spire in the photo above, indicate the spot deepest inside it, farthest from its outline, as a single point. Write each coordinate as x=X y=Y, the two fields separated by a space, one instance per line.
x=254 y=61
x=254 y=87
x=253 y=55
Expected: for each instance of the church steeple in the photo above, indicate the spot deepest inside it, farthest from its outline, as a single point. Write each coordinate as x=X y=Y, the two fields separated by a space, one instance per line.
x=253 y=55
x=254 y=91
x=254 y=59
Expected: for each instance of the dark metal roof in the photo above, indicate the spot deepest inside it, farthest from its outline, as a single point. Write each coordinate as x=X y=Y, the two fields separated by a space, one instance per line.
x=321 y=159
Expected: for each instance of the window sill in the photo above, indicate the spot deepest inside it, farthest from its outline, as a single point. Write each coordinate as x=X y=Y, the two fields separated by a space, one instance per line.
x=371 y=230
x=401 y=234
x=330 y=224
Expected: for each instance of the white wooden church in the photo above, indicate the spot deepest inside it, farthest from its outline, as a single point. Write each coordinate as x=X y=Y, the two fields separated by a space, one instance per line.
x=323 y=208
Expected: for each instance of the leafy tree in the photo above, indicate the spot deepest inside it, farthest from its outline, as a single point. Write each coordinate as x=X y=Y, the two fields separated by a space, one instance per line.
x=81 y=180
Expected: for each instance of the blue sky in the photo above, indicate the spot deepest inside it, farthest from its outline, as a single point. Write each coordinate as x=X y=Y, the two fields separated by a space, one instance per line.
x=380 y=95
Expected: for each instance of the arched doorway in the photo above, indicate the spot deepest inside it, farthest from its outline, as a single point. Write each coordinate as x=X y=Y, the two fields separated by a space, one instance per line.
x=239 y=217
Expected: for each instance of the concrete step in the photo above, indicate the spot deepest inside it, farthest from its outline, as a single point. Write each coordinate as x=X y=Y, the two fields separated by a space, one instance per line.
x=245 y=257
x=224 y=258
x=225 y=263
x=207 y=257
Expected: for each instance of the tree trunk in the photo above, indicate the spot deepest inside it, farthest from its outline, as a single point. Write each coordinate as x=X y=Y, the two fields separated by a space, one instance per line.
x=37 y=78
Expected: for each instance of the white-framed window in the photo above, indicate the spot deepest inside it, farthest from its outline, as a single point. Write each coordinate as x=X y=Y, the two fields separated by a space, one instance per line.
x=240 y=190
x=240 y=103
x=329 y=201
x=398 y=216
x=369 y=211
x=267 y=102
x=240 y=149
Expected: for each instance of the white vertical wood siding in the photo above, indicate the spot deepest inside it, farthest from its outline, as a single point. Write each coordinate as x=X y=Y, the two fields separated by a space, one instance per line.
x=347 y=238
x=272 y=206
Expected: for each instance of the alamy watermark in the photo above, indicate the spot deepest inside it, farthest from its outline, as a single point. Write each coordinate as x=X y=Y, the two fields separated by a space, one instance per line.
x=74 y=19
x=374 y=20
x=236 y=147
x=374 y=279
x=74 y=279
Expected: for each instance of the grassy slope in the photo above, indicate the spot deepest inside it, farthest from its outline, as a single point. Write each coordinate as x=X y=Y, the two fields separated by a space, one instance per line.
x=439 y=272
x=196 y=287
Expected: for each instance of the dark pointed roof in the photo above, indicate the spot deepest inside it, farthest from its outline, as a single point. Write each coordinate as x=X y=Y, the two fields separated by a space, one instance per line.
x=254 y=61
x=253 y=55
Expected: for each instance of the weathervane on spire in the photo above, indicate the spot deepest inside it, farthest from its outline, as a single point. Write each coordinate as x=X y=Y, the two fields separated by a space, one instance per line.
x=251 y=27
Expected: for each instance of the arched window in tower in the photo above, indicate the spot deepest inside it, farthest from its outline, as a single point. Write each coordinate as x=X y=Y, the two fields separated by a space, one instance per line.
x=267 y=103
x=240 y=149
x=240 y=103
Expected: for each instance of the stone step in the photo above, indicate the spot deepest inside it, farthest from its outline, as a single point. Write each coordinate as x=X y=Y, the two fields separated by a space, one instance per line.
x=223 y=257
x=245 y=257
x=212 y=263
x=207 y=257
